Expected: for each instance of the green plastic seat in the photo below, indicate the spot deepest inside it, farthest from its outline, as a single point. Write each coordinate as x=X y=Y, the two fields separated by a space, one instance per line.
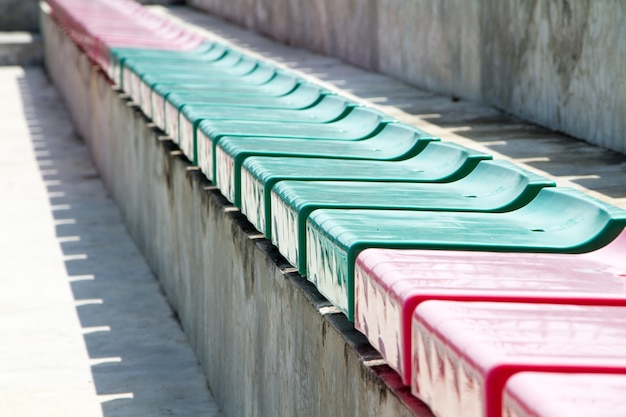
x=492 y=187
x=142 y=84
x=328 y=109
x=118 y=56
x=219 y=59
x=300 y=98
x=558 y=220
x=280 y=85
x=133 y=75
x=360 y=123
x=230 y=66
x=125 y=57
x=357 y=124
x=155 y=102
x=250 y=184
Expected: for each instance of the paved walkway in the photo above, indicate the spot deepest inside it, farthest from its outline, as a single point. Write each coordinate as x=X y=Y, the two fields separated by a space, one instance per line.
x=84 y=328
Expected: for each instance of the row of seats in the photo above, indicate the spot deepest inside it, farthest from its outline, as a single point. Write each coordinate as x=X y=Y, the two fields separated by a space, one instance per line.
x=490 y=290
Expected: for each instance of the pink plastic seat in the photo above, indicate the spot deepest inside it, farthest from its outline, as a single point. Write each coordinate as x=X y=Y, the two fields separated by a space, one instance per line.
x=464 y=352
x=389 y=284
x=531 y=394
x=98 y=26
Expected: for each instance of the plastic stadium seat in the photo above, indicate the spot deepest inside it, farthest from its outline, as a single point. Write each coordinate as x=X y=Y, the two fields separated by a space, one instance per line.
x=534 y=394
x=222 y=70
x=97 y=27
x=360 y=123
x=122 y=57
x=278 y=86
x=153 y=89
x=559 y=220
x=302 y=97
x=247 y=168
x=250 y=85
x=328 y=109
x=493 y=186
x=390 y=284
x=119 y=55
x=465 y=352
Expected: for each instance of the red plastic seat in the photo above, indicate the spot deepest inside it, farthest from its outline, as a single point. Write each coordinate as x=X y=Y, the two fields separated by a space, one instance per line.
x=465 y=352
x=389 y=284
x=97 y=26
x=532 y=394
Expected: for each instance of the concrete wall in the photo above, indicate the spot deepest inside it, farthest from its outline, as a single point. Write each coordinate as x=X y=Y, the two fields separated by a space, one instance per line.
x=268 y=342
x=559 y=63
x=19 y=15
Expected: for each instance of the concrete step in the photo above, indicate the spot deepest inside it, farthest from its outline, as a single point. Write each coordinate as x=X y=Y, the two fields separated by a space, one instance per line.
x=20 y=48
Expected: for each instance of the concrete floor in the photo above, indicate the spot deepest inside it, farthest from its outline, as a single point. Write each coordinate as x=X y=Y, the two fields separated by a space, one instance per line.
x=84 y=328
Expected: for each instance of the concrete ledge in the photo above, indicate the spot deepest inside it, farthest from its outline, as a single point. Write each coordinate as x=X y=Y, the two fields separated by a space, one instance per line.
x=269 y=344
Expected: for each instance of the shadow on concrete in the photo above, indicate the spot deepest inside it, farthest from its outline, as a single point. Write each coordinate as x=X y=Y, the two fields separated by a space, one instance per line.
x=141 y=362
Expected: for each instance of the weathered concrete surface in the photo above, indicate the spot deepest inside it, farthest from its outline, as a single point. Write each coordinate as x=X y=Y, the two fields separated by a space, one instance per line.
x=85 y=328
x=269 y=344
x=556 y=63
x=19 y=15
x=20 y=48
